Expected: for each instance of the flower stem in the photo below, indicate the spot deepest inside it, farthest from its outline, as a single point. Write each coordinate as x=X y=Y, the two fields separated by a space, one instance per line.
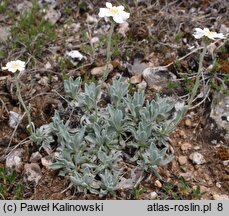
x=197 y=83
x=108 y=60
x=30 y=128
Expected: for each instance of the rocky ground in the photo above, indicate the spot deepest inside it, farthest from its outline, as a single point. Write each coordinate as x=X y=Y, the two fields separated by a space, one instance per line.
x=158 y=33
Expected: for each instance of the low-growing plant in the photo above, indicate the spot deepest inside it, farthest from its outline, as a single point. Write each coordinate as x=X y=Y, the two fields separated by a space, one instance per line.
x=32 y=32
x=3 y=6
x=180 y=191
x=8 y=186
x=126 y=129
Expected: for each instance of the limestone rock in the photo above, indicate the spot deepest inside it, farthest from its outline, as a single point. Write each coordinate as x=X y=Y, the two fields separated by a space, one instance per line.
x=99 y=71
x=14 y=160
x=35 y=157
x=220 y=115
x=136 y=79
x=182 y=160
x=158 y=78
x=186 y=146
x=197 y=158
x=153 y=195
x=32 y=173
x=46 y=161
x=137 y=67
x=52 y=15
x=14 y=119
x=158 y=184
x=220 y=197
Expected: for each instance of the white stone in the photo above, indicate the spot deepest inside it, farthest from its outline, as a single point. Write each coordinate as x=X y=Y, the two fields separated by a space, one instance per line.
x=158 y=184
x=182 y=160
x=94 y=40
x=220 y=197
x=14 y=160
x=75 y=54
x=46 y=161
x=186 y=146
x=142 y=85
x=52 y=15
x=32 y=173
x=91 y=19
x=153 y=195
x=35 y=157
x=14 y=119
x=197 y=158
x=99 y=71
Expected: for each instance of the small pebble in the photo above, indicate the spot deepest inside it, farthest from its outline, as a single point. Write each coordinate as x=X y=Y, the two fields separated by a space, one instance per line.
x=153 y=195
x=218 y=185
x=99 y=71
x=187 y=176
x=220 y=197
x=197 y=158
x=197 y=147
x=14 y=160
x=32 y=173
x=186 y=146
x=35 y=157
x=158 y=184
x=188 y=122
x=182 y=160
x=182 y=133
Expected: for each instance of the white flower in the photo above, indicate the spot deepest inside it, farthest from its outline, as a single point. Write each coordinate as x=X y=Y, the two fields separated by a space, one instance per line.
x=118 y=13
x=207 y=33
x=14 y=66
x=75 y=55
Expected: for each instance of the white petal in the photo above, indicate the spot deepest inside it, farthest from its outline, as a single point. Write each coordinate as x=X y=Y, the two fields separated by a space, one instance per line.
x=221 y=36
x=104 y=12
x=118 y=19
x=4 y=68
x=124 y=15
x=199 y=33
x=120 y=8
x=198 y=36
x=199 y=30
x=13 y=70
x=20 y=62
x=108 y=5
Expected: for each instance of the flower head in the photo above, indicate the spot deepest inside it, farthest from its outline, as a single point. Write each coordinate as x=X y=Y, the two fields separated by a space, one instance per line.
x=118 y=13
x=14 y=66
x=207 y=33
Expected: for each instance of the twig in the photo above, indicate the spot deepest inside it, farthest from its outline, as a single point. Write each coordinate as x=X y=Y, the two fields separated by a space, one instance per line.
x=193 y=51
x=14 y=131
x=61 y=96
x=20 y=143
x=4 y=106
x=206 y=96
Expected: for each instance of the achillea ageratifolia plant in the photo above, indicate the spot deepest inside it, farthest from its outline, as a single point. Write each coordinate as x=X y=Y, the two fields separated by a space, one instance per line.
x=127 y=129
x=18 y=67
x=207 y=36
x=118 y=16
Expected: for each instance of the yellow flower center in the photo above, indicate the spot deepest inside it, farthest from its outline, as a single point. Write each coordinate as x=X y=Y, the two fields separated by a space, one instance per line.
x=209 y=33
x=113 y=11
x=15 y=65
